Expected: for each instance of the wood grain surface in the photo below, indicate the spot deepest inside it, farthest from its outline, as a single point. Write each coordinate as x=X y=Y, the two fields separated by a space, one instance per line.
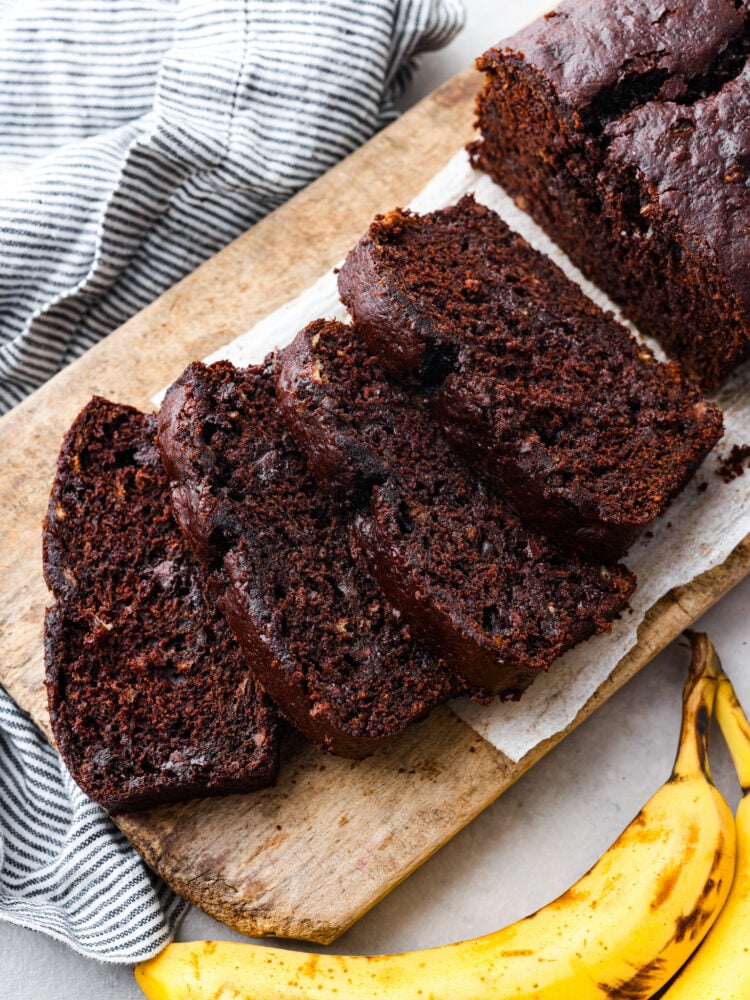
x=306 y=858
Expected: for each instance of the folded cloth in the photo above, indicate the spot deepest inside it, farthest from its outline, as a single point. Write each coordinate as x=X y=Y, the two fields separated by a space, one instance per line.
x=65 y=868
x=138 y=137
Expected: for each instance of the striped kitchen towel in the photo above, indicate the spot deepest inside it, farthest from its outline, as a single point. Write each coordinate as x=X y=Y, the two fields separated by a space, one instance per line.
x=65 y=868
x=137 y=138
x=140 y=136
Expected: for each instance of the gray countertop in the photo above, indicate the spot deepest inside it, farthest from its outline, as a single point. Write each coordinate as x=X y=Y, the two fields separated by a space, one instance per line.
x=544 y=832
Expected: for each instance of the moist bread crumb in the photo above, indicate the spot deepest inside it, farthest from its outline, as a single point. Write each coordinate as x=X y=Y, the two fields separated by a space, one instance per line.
x=338 y=660
x=151 y=699
x=543 y=393
x=498 y=600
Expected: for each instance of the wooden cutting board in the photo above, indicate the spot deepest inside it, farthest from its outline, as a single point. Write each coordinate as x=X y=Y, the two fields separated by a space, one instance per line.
x=308 y=857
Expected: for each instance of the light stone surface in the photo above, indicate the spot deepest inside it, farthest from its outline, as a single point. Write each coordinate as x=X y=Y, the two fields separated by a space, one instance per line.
x=545 y=831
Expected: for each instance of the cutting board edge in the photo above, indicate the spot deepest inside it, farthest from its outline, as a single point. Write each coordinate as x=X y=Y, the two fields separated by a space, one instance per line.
x=664 y=622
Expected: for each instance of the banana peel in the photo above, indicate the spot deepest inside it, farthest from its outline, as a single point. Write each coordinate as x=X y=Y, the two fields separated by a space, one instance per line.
x=720 y=968
x=622 y=930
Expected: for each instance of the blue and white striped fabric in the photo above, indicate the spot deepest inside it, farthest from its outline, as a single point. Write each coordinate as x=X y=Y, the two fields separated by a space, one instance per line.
x=140 y=136
x=65 y=868
x=137 y=137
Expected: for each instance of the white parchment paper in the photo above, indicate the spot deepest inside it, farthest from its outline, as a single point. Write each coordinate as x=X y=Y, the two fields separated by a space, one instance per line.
x=697 y=533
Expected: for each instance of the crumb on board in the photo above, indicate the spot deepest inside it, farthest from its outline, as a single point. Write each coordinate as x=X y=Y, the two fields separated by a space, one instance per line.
x=733 y=465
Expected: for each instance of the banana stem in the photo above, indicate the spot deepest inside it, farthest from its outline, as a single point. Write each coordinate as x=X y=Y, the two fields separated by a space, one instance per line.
x=735 y=729
x=698 y=699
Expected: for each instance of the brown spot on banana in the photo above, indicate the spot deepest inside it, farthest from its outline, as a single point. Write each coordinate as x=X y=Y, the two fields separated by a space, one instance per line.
x=642 y=985
x=665 y=887
x=702 y=723
x=692 y=923
x=310 y=967
x=671 y=876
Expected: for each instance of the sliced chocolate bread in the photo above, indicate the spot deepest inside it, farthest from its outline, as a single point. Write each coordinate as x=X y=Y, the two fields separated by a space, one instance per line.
x=337 y=659
x=544 y=393
x=621 y=126
x=497 y=600
x=151 y=698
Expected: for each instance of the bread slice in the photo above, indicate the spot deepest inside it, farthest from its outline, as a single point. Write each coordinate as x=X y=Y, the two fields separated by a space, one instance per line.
x=151 y=699
x=498 y=600
x=337 y=659
x=545 y=394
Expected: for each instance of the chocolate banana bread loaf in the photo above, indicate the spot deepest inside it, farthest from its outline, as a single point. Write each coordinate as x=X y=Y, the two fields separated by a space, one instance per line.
x=151 y=698
x=498 y=601
x=337 y=659
x=623 y=129
x=541 y=391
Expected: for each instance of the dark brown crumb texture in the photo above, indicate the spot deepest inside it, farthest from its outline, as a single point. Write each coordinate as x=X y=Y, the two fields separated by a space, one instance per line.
x=733 y=465
x=623 y=129
x=498 y=600
x=338 y=660
x=151 y=698
x=546 y=395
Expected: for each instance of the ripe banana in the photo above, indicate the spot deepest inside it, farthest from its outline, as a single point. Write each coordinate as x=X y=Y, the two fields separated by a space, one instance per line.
x=720 y=968
x=621 y=931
